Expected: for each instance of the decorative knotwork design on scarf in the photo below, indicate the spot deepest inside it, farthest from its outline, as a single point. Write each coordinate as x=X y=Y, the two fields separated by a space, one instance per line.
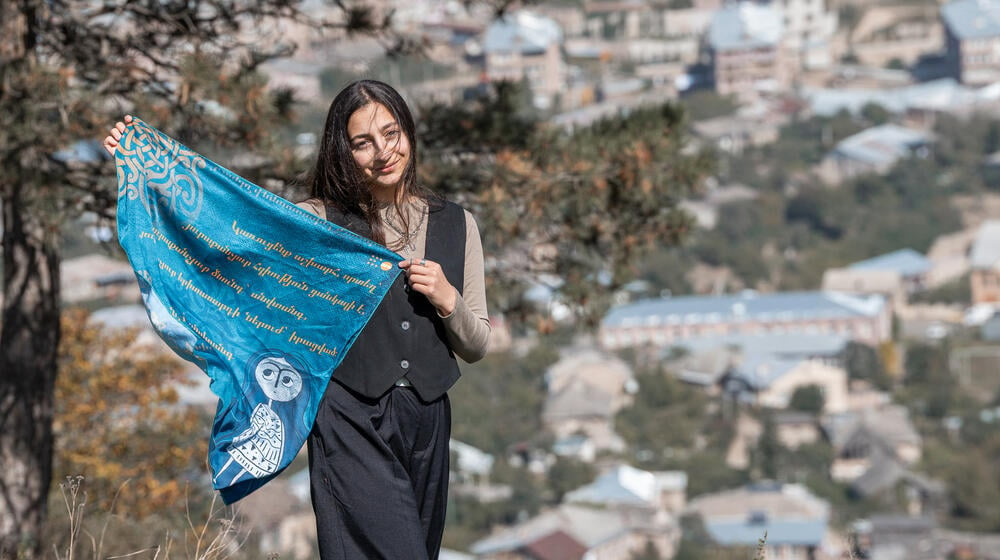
x=170 y=176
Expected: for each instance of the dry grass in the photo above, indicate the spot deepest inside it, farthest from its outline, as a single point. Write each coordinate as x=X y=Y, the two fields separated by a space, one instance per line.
x=218 y=536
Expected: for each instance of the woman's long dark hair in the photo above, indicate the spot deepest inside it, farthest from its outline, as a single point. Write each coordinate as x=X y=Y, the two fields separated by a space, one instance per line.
x=338 y=180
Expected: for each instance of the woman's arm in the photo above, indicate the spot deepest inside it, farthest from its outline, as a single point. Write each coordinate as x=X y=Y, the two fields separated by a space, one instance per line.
x=468 y=326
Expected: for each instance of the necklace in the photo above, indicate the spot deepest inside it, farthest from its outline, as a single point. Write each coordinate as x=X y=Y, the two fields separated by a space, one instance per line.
x=407 y=238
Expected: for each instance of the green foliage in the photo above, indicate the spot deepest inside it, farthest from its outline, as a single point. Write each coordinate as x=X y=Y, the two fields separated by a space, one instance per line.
x=661 y=401
x=808 y=399
x=863 y=362
x=956 y=291
x=583 y=205
x=929 y=388
x=498 y=401
x=648 y=552
x=706 y=104
x=766 y=456
x=567 y=474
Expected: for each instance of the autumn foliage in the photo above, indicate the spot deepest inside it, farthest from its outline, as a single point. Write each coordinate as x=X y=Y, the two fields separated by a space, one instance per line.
x=118 y=421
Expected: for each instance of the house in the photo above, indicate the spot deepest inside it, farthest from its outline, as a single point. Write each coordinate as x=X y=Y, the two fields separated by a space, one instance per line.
x=901 y=33
x=582 y=408
x=576 y=446
x=861 y=439
x=522 y=45
x=874 y=150
x=984 y=261
x=944 y=95
x=673 y=321
x=626 y=487
x=972 y=40
x=586 y=388
x=743 y=130
x=809 y=30
x=578 y=532
x=795 y=521
x=894 y=275
x=911 y=266
x=771 y=381
x=748 y=55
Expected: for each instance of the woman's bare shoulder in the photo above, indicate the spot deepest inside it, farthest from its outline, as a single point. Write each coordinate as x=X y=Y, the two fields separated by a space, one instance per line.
x=313 y=206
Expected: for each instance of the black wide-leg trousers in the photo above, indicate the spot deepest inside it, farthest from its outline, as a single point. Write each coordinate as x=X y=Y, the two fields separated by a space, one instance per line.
x=379 y=474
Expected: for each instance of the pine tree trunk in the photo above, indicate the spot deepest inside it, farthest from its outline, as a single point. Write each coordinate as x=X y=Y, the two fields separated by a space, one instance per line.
x=29 y=337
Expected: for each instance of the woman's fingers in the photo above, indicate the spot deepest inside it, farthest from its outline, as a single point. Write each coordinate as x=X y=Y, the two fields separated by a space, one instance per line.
x=427 y=278
x=115 y=134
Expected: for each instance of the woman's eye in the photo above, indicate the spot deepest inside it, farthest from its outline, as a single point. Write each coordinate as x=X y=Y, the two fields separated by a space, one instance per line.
x=392 y=134
x=361 y=145
x=269 y=373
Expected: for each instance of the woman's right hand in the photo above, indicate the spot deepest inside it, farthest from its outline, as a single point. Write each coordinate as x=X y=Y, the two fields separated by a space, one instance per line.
x=115 y=134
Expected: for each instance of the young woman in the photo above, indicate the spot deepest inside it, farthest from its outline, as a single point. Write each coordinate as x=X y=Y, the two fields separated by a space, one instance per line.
x=378 y=451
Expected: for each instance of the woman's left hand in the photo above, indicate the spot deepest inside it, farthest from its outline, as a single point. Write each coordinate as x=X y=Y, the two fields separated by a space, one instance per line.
x=426 y=277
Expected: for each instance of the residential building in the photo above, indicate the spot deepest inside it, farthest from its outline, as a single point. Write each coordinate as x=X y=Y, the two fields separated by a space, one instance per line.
x=897 y=34
x=862 y=439
x=894 y=275
x=735 y=133
x=627 y=487
x=582 y=408
x=795 y=521
x=674 y=321
x=586 y=388
x=874 y=150
x=972 y=40
x=770 y=381
x=748 y=53
x=809 y=30
x=522 y=45
x=911 y=266
x=580 y=532
x=923 y=100
x=984 y=260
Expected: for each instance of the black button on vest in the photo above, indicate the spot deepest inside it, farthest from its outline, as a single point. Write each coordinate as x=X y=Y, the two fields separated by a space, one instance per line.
x=405 y=336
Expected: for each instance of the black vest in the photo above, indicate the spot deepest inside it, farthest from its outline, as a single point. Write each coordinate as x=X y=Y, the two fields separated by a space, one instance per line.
x=405 y=336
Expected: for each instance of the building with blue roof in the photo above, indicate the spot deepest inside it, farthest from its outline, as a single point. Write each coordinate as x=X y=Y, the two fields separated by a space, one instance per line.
x=972 y=40
x=795 y=521
x=873 y=150
x=746 y=42
x=627 y=486
x=672 y=321
x=522 y=45
x=907 y=262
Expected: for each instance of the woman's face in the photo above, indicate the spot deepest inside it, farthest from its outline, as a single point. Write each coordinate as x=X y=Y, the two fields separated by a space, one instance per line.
x=380 y=148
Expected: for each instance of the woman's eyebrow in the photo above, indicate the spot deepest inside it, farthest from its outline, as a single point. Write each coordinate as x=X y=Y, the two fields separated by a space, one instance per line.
x=387 y=126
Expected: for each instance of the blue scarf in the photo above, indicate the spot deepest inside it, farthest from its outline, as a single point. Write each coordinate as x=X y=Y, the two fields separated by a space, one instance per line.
x=263 y=296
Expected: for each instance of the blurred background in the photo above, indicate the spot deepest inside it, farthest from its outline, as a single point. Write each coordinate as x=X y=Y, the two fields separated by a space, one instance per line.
x=743 y=266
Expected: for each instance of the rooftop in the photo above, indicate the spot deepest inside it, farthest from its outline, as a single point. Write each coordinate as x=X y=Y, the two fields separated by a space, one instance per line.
x=745 y=25
x=628 y=486
x=906 y=262
x=883 y=144
x=972 y=19
x=522 y=31
x=747 y=306
x=789 y=513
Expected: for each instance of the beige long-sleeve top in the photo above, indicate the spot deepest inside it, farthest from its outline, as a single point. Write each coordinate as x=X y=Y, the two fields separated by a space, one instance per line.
x=468 y=326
